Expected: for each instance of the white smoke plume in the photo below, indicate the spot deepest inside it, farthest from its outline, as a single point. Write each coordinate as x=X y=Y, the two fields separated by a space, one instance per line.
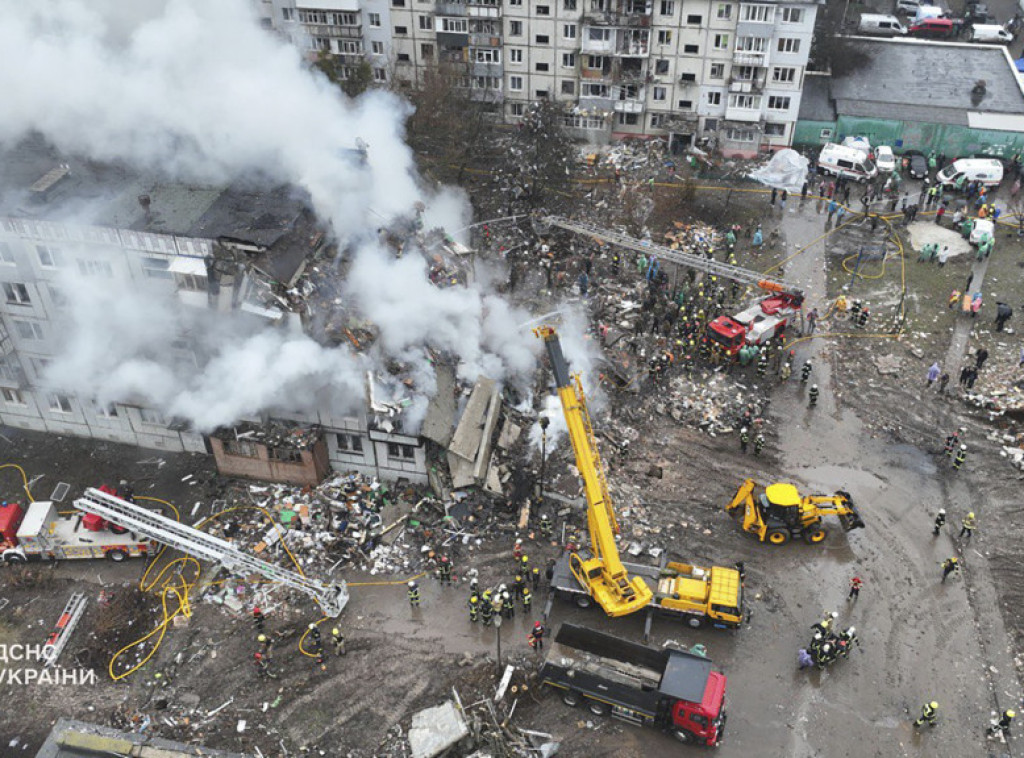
x=198 y=91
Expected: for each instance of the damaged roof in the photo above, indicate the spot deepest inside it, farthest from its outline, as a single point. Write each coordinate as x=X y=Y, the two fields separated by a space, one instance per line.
x=37 y=181
x=77 y=739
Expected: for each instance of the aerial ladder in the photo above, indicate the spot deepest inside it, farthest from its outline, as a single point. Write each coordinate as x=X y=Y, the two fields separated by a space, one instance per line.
x=709 y=266
x=331 y=598
x=601 y=573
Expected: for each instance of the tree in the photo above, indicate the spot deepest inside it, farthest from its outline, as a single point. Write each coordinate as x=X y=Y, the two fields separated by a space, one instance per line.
x=830 y=51
x=353 y=80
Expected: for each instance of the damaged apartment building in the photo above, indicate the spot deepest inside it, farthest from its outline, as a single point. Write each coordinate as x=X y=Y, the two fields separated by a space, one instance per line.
x=226 y=249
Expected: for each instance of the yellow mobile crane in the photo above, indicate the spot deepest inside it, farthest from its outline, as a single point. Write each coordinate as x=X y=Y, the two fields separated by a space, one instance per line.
x=699 y=594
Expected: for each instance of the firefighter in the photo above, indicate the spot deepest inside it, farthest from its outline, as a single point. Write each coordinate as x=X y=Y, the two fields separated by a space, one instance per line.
x=535 y=577
x=816 y=642
x=1003 y=725
x=338 y=640
x=928 y=712
x=517 y=550
x=951 y=442
x=940 y=521
x=519 y=583
x=508 y=607
x=961 y=456
x=262 y=668
x=314 y=632
x=265 y=645
x=744 y=439
x=855 y=311
x=967 y=526
x=486 y=610
x=826 y=655
x=498 y=602
x=758 y=444
x=527 y=600
x=524 y=564
x=536 y=638
x=414 y=594
x=813 y=396
x=258 y=617
x=847 y=639
x=862 y=320
x=805 y=371
x=949 y=566
x=546 y=527
x=824 y=627
x=616 y=264
x=786 y=370
x=762 y=362
x=444 y=570
x=474 y=607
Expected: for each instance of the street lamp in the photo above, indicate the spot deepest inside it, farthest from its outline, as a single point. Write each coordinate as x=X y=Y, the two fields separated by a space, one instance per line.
x=544 y=422
x=497 y=626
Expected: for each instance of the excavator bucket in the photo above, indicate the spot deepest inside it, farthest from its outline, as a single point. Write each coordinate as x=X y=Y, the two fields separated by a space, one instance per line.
x=851 y=519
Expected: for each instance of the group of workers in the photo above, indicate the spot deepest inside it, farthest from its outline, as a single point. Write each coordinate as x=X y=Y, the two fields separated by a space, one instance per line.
x=314 y=648
x=827 y=645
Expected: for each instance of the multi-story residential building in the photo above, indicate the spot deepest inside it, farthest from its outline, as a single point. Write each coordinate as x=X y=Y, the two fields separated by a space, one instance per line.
x=730 y=72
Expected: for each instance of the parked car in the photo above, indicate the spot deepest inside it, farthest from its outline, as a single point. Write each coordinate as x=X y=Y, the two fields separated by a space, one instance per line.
x=909 y=6
x=884 y=159
x=990 y=33
x=880 y=25
x=932 y=28
x=982 y=226
x=977 y=13
x=916 y=164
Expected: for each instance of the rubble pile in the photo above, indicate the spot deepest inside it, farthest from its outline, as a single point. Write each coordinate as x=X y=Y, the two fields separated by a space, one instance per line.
x=710 y=404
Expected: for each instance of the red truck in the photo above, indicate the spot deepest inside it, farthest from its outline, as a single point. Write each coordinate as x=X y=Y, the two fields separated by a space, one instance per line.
x=763 y=320
x=670 y=689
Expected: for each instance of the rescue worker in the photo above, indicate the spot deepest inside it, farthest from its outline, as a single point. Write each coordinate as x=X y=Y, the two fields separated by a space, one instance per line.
x=498 y=603
x=474 y=607
x=949 y=566
x=314 y=633
x=940 y=521
x=266 y=645
x=824 y=627
x=816 y=642
x=338 y=640
x=444 y=570
x=1003 y=725
x=928 y=712
x=847 y=639
x=855 y=584
x=967 y=526
x=758 y=444
x=258 y=617
x=486 y=609
x=535 y=577
x=805 y=371
x=762 y=362
x=527 y=600
x=546 y=526
x=813 y=396
x=536 y=638
x=517 y=550
x=518 y=584
x=414 y=594
x=787 y=369
x=524 y=564
x=508 y=607
x=952 y=441
x=262 y=668
x=744 y=439
x=961 y=456
x=826 y=655
x=616 y=264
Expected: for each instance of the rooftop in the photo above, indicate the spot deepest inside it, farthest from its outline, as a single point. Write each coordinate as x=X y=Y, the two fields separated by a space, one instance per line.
x=816 y=101
x=76 y=739
x=919 y=80
x=36 y=181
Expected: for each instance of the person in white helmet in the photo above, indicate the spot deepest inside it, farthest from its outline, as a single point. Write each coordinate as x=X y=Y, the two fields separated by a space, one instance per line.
x=940 y=521
x=414 y=594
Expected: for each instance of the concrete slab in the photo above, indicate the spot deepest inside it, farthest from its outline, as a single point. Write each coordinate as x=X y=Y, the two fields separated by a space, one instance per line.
x=435 y=730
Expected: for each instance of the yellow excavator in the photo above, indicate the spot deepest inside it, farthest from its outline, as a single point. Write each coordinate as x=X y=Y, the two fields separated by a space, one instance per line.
x=779 y=513
x=697 y=594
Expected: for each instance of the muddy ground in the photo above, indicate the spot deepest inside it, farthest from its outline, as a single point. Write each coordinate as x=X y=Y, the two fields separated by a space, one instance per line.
x=877 y=436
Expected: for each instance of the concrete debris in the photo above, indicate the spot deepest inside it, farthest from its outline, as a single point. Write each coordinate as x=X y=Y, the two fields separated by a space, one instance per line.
x=436 y=729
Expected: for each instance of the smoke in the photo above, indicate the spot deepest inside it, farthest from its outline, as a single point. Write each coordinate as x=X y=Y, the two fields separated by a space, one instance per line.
x=199 y=92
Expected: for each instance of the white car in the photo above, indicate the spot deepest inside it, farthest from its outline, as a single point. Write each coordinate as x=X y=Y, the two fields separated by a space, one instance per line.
x=907 y=6
x=884 y=159
x=982 y=226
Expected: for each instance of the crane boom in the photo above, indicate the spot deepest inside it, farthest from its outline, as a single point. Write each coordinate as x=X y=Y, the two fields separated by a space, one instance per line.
x=332 y=599
x=603 y=575
x=698 y=262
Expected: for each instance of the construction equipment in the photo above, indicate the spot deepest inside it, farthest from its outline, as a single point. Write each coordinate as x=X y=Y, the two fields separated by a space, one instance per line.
x=698 y=594
x=780 y=514
x=64 y=628
x=755 y=325
x=159 y=528
x=671 y=689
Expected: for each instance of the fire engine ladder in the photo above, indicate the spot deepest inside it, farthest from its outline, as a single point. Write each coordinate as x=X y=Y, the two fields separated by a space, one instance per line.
x=690 y=260
x=64 y=628
x=332 y=599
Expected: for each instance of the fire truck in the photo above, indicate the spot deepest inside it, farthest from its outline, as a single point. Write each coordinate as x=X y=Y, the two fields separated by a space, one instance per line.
x=38 y=531
x=755 y=325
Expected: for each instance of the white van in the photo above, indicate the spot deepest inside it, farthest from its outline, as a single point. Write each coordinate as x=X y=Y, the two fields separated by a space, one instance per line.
x=988 y=171
x=925 y=12
x=990 y=33
x=840 y=160
x=880 y=25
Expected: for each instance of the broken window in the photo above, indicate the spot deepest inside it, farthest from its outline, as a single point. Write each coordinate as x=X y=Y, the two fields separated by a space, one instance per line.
x=285 y=454
x=242 y=448
x=401 y=452
x=349 y=443
x=59 y=403
x=106 y=411
x=49 y=256
x=17 y=293
x=28 y=330
x=95 y=268
x=6 y=254
x=150 y=416
x=13 y=397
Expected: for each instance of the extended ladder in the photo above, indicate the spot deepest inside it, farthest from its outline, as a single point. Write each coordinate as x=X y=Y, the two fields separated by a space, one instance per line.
x=332 y=599
x=691 y=260
x=64 y=628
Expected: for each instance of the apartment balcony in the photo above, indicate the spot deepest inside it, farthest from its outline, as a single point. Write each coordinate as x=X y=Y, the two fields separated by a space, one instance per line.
x=633 y=45
x=755 y=84
x=755 y=28
x=451 y=9
x=482 y=39
x=750 y=58
x=596 y=47
x=593 y=104
x=595 y=73
x=329 y=30
x=745 y=115
x=486 y=69
x=628 y=106
x=483 y=11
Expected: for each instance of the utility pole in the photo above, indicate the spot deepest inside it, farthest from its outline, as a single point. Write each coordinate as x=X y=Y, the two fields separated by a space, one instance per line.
x=497 y=626
x=544 y=422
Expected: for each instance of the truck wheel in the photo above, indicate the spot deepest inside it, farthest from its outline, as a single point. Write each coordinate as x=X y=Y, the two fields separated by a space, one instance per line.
x=816 y=535
x=683 y=736
x=778 y=536
x=695 y=622
x=571 y=698
x=117 y=555
x=584 y=601
x=118 y=529
x=597 y=707
x=14 y=558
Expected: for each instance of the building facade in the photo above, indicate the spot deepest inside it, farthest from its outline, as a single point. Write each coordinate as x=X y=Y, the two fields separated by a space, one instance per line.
x=685 y=70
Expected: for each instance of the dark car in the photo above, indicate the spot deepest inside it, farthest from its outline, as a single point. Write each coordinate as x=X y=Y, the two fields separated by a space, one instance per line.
x=916 y=164
x=977 y=14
